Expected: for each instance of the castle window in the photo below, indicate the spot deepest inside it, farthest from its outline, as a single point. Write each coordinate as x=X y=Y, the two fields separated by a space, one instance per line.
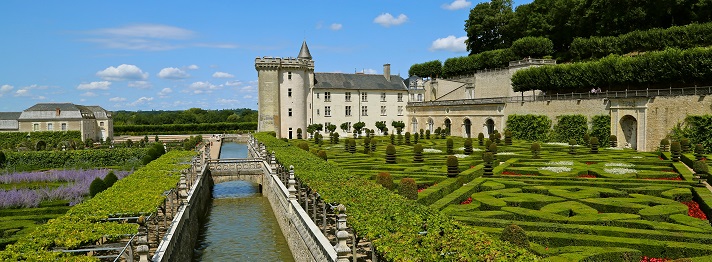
x=64 y=126
x=289 y=75
x=50 y=127
x=101 y=123
x=400 y=97
x=383 y=97
x=289 y=92
x=348 y=110
x=383 y=110
x=400 y=110
x=317 y=112
x=364 y=110
x=327 y=111
x=290 y=112
x=364 y=97
x=35 y=127
x=348 y=96
x=317 y=95
x=420 y=97
x=327 y=96
x=348 y=126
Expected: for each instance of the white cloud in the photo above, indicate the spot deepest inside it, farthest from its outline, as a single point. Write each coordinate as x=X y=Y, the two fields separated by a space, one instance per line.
x=370 y=71
x=141 y=101
x=450 y=43
x=222 y=75
x=457 y=4
x=387 y=20
x=140 y=84
x=247 y=96
x=117 y=99
x=336 y=27
x=146 y=31
x=223 y=101
x=172 y=73
x=248 y=88
x=193 y=67
x=25 y=90
x=102 y=85
x=164 y=92
x=89 y=94
x=5 y=89
x=233 y=83
x=22 y=92
x=122 y=73
x=39 y=98
x=203 y=87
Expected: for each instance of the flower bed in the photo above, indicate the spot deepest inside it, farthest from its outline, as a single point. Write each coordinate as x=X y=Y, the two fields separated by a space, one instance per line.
x=556 y=169
x=693 y=210
x=432 y=151
x=560 y=163
x=619 y=165
x=620 y=171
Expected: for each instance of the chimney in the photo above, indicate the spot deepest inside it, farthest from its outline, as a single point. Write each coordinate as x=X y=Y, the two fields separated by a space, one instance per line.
x=387 y=71
x=57 y=111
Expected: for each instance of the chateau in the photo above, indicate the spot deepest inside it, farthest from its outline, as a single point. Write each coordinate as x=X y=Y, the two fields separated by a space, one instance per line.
x=292 y=96
x=94 y=122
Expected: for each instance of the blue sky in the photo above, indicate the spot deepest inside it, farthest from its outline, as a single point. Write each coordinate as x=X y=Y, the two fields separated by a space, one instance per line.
x=174 y=55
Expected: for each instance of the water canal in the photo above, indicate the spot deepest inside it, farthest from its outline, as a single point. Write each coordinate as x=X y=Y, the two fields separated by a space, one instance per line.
x=240 y=225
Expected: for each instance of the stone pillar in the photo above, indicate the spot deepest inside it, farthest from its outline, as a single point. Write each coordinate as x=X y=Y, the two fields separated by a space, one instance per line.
x=290 y=188
x=183 y=190
x=273 y=161
x=342 y=250
x=142 y=240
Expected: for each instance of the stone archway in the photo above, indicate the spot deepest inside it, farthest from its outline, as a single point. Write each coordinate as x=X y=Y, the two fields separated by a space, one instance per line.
x=629 y=128
x=468 y=127
x=489 y=126
x=448 y=126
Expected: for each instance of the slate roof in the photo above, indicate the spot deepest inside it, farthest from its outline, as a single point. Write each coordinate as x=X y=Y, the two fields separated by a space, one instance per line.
x=99 y=112
x=304 y=51
x=8 y=120
x=357 y=81
x=47 y=111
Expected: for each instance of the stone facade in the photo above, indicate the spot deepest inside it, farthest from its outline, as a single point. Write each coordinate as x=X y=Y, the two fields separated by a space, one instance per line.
x=94 y=122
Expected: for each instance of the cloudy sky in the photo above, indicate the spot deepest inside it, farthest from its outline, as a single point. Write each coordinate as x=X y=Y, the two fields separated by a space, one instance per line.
x=167 y=55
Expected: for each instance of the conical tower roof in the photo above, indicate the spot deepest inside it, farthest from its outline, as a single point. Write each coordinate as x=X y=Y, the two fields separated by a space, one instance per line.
x=304 y=52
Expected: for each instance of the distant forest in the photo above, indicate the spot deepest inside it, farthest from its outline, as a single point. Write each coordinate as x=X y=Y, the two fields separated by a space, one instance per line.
x=190 y=116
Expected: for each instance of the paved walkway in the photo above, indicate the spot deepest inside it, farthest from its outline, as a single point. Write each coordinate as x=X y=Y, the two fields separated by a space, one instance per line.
x=215 y=143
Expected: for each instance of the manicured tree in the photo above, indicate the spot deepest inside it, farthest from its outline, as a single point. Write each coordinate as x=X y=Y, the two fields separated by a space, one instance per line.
x=407 y=138
x=418 y=153
x=586 y=139
x=468 y=146
x=515 y=235
x=664 y=145
x=427 y=134
x=493 y=150
x=408 y=188
x=373 y=145
x=155 y=138
x=373 y=132
x=41 y=145
x=437 y=132
x=613 y=140
x=367 y=132
x=594 y=145
x=508 y=138
x=96 y=187
x=390 y=154
x=415 y=138
x=400 y=139
x=488 y=143
x=488 y=157
x=110 y=179
x=347 y=145
x=3 y=159
x=386 y=180
x=299 y=133
x=145 y=138
x=497 y=137
x=535 y=148
x=422 y=133
x=675 y=149
x=381 y=125
x=685 y=143
x=322 y=155
x=701 y=169
x=366 y=145
x=317 y=138
x=481 y=139
x=358 y=126
x=452 y=169
x=352 y=146
x=699 y=152
x=449 y=145
x=572 y=146
x=393 y=139
x=444 y=133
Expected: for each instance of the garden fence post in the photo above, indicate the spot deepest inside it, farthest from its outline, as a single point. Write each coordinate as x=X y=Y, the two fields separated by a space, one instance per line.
x=183 y=190
x=342 y=250
x=273 y=162
x=291 y=189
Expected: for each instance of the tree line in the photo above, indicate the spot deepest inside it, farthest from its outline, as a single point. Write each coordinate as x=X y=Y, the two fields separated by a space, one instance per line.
x=190 y=116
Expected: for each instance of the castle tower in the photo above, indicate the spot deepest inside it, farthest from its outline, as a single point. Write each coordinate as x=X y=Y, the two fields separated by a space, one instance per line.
x=283 y=89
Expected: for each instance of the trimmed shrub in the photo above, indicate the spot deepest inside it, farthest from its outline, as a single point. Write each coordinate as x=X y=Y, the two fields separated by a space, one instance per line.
x=700 y=168
x=386 y=180
x=390 y=154
x=570 y=127
x=373 y=145
x=110 y=179
x=594 y=145
x=493 y=148
x=515 y=235
x=572 y=146
x=699 y=152
x=685 y=144
x=415 y=138
x=664 y=145
x=96 y=187
x=3 y=159
x=418 y=153
x=41 y=145
x=535 y=148
x=393 y=139
x=601 y=128
x=322 y=155
x=299 y=133
x=452 y=164
x=468 y=146
x=422 y=133
x=408 y=188
x=488 y=157
x=303 y=145
x=399 y=139
x=449 y=145
x=427 y=134
x=614 y=140
x=536 y=47
x=529 y=127
x=586 y=139
x=481 y=139
x=407 y=138
x=497 y=137
x=675 y=149
x=488 y=143
x=352 y=145
x=508 y=137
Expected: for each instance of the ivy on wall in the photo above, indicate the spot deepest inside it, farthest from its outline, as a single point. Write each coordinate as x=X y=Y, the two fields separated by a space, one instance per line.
x=601 y=128
x=529 y=127
x=697 y=128
x=570 y=127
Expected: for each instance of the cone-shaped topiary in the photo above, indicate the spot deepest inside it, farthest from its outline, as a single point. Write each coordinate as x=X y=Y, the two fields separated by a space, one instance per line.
x=110 y=179
x=488 y=157
x=400 y=139
x=685 y=143
x=699 y=152
x=468 y=146
x=481 y=139
x=613 y=140
x=515 y=235
x=675 y=149
x=427 y=134
x=508 y=138
x=367 y=141
x=664 y=145
x=303 y=145
x=415 y=138
x=493 y=148
x=336 y=138
x=418 y=153
x=586 y=139
x=407 y=138
x=572 y=146
x=449 y=145
x=488 y=143
x=390 y=154
x=497 y=137
x=452 y=169
x=386 y=180
x=393 y=139
x=422 y=133
x=96 y=187
x=594 y=145
x=373 y=145
x=299 y=133
x=535 y=148
x=408 y=188
x=322 y=154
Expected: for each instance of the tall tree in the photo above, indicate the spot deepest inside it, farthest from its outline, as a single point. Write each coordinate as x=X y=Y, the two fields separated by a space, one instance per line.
x=488 y=26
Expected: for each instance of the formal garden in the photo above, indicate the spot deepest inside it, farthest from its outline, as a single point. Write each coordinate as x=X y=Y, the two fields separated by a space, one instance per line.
x=577 y=201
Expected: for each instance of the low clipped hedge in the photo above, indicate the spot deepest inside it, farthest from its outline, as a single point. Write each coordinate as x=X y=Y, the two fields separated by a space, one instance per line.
x=31 y=160
x=390 y=221
x=432 y=194
x=138 y=194
x=11 y=139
